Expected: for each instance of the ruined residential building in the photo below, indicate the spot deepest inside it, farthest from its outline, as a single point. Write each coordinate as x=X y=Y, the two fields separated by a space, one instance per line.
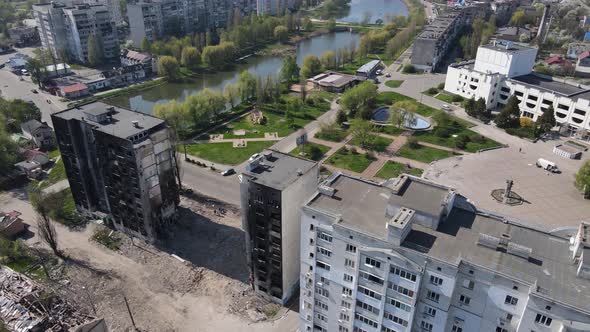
x=120 y=165
x=272 y=189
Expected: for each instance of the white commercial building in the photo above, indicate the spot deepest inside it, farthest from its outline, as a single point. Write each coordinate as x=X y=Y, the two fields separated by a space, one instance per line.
x=412 y=255
x=503 y=69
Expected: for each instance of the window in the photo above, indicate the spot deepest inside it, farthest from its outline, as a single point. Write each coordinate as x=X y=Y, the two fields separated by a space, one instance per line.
x=342 y=328
x=469 y=284
x=501 y=329
x=430 y=311
x=426 y=326
x=324 y=281
x=324 y=251
x=398 y=304
x=395 y=319
x=306 y=305
x=321 y=317
x=365 y=320
x=350 y=248
x=358 y=329
x=367 y=307
x=400 y=289
x=510 y=300
x=319 y=328
x=346 y=305
x=346 y=291
x=387 y=329
x=432 y=296
x=321 y=304
x=349 y=263
x=404 y=274
x=371 y=278
x=372 y=262
x=563 y=107
x=344 y=317
x=457 y=328
x=322 y=265
x=311 y=227
x=509 y=317
x=321 y=291
x=436 y=280
x=544 y=320
x=348 y=278
x=464 y=299
x=325 y=236
x=369 y=292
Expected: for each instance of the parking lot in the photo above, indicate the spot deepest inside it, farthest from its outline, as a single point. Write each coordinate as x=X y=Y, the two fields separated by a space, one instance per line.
x=551 y=200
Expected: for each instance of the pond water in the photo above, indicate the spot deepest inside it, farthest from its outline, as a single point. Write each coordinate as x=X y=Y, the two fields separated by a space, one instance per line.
x=374 y=10
x=263 y=66
x=412 y=121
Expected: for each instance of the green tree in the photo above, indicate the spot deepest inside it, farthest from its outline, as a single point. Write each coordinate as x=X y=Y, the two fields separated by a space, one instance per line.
x=480 y=107
x=145 y=46
x=231 y=92
x=204 y=107
x=518 y=18
x=8 y=150
x=15 y=112
x=400 y=112
x=331 y=25
x=470 y=106
x=328 y=60
x=582 y=181
x=175 y=115
x=168 y=67
x=546 y=121
x=290 y=70
x=341 y=117
x=359 y=97
x=510 y=114
x=191 y=58
x=311 y=66
x=94 y=52
x=281 y=33
x=307 y=24
x=246 y=85
x=362 y=133
x=37 y=70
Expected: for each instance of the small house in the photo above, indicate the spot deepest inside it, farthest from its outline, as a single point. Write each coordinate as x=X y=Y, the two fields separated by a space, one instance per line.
x=369 y=69
x=583 y=65
x=30 y=168
x=73 y=91
x=38 y=132
x=58 y=70
x=146 y=60
x=11 y=225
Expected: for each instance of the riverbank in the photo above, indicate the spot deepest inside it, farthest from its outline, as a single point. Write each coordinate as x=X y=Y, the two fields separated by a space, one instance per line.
x=113 y=93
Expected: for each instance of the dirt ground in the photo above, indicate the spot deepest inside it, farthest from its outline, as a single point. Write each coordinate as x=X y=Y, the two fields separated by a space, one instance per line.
x=208 y=291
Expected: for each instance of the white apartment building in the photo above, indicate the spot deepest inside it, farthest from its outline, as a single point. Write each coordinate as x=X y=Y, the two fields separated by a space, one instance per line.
x=503 y=69
x=64 y=29
x=412 y=255
x=272 y=7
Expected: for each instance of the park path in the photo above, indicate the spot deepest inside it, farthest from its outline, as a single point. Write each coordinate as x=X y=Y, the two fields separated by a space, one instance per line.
x=239 y=140
x=440 y=147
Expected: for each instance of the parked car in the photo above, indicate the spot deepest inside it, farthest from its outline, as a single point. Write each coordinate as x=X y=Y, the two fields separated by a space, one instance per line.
x=547 y=165
x=254 y=156
x=388 y=75
x=34 y=91
x=228 y=171
x=447 y=107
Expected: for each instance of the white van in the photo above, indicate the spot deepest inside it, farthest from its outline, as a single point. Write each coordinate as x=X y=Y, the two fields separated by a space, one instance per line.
x=547 y=165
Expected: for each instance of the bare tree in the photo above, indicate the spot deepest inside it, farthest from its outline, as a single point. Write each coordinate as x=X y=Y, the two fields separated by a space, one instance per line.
x=47 y=231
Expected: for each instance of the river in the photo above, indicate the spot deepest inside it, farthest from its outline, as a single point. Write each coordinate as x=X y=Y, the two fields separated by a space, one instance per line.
x=374 y=10
x=263 y=66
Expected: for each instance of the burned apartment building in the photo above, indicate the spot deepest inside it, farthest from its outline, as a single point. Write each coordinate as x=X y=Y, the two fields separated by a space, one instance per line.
x=121 y=166
x=273 y=188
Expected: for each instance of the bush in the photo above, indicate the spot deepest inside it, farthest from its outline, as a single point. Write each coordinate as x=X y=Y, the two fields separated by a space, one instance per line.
x=432 y=91
x=461 y=142
x=107 y=238
x=413 y=143
x=478 y=139
x=315 y=153
x=456 y=99
x=409 y=69
x=343 y=151
x=354 y=151
x=441 y=86
x=442 y=132
x=526 y=122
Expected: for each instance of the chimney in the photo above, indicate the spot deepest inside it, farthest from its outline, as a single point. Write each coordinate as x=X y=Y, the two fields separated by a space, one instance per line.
x=135 y=123
x=399 y=225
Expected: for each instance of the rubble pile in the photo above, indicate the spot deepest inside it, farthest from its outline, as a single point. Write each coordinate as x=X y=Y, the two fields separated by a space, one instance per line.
x=27 y=306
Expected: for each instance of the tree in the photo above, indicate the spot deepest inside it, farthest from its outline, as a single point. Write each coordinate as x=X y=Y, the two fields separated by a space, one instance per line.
x=307 y=24
x=94 y=52
x=362 y=133
x=281 y=33
x=328 y=60
x=510 y=114
x=47 y=231
x=311 y=66
x=518 y=18
x=582 y=181
x=168 y=67
x=190 y=57
x=231 y=92
x=331 y=25
x=174 y=114
x=15 y=112
x=145 y=45
x=37 y=70
x=470 y=106
x=546 y=121
x=341 y=117
x=361 y=96
x=246 y=86
x=290 y=70
x=480 y=108
x=204 y=107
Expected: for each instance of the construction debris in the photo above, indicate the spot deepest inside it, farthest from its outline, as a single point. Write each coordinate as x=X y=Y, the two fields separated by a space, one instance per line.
x=27 y=306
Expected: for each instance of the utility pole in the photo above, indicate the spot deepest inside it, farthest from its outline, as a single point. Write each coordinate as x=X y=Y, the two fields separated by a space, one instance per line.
x=130 y=314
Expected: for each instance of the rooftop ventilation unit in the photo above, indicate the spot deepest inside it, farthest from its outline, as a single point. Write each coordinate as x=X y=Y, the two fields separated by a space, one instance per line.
x=326 y=190
x=519 y=250
x=488 y=241
x=135 y=123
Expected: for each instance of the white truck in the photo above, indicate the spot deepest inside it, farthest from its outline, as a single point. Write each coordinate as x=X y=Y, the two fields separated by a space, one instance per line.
x=547 y=165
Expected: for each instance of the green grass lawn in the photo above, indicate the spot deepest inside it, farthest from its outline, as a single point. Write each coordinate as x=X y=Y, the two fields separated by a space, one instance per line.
x=391 y=130
x=391 y=97
x=445 y=97
x=393 y=169
x=225 y=153
x=275 y=122
x=308 y=153
x=394 y=83
x=380 y=144
x=424 y=154
x=58 y=173
x=351 y=161
x=53 y=153
x=332 y=134
x=63 y=209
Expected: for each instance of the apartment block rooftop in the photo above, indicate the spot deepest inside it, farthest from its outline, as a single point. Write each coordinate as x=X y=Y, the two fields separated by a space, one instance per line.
x=467 y=236
x=116 y=121
x=506 y=46
x=435 y=29
x=276 y=169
